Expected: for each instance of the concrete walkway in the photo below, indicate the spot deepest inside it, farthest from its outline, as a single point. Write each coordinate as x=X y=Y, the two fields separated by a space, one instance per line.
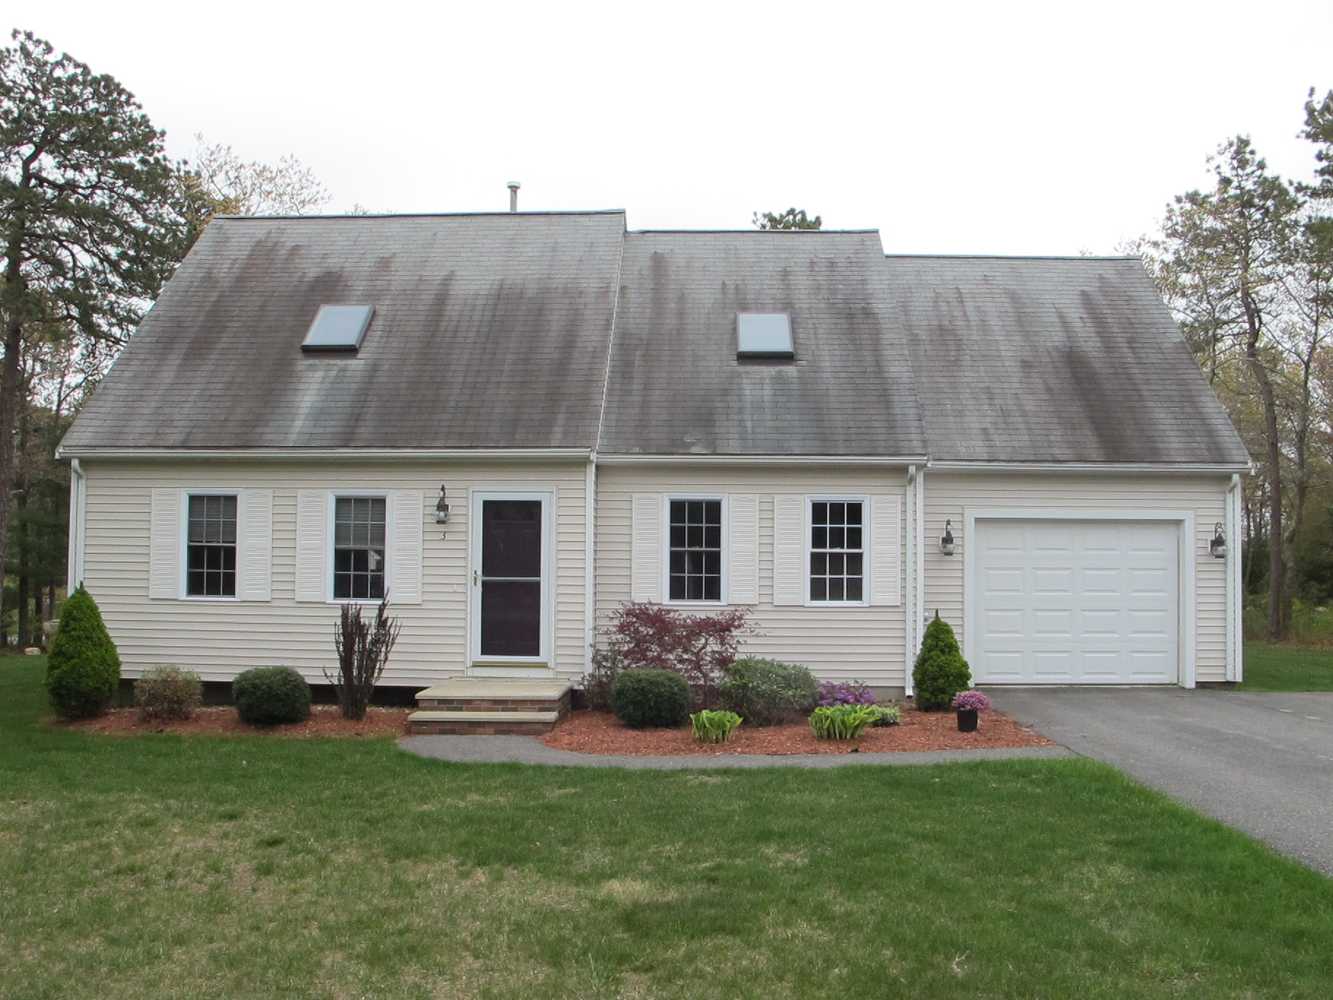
x=1261 y=762
x=530 y=750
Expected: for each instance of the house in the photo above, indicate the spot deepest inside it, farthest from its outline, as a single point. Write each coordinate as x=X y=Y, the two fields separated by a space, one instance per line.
x=842 y=441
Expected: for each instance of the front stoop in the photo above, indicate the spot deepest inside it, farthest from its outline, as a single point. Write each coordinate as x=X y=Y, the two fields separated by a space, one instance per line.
x=475 y=707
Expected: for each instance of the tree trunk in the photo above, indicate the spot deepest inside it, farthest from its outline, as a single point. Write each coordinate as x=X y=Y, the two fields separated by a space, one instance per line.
x=1277 y=617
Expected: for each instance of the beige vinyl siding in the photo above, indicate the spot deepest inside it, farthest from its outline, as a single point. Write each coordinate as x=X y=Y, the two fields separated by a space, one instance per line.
x=221 y=638
x=837 y=643
x=949 y=494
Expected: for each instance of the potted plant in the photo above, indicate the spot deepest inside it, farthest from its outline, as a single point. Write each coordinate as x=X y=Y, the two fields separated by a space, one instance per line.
x=967 y=704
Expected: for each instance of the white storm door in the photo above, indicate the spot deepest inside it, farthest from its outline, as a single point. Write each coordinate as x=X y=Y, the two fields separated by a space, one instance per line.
x=511 y=578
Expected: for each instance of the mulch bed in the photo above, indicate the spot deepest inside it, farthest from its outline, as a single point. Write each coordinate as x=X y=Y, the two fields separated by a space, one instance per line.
x=324 y=721
x=603 y=733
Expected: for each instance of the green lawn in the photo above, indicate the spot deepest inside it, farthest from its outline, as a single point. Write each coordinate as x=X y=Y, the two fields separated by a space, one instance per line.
x=162 y=866
x=1284 y=667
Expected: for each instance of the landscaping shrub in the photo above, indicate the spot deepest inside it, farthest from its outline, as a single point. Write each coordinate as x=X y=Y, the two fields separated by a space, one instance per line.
x=713 y=727
x=845 y=693
x=766 y=692
x=698 y=647
x=841 y=722
x=363 y=650
x=644 y=698
x=168 y=693
x=598 y=682
x=885 y=715
x=268 y=696
x=84 y=667
x=940 y=671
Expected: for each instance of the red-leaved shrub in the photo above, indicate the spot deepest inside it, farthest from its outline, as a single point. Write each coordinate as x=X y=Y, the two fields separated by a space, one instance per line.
x=698 y=647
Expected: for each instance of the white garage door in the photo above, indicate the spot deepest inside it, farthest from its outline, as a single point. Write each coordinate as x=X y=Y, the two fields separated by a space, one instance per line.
x=1076 y=602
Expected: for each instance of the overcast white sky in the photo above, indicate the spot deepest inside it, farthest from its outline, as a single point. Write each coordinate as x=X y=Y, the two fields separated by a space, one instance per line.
x=950 y=127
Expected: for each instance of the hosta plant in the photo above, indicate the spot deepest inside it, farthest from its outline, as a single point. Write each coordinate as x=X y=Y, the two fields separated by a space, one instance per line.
x=841 y=722
x=885 y=715
x=971 y=701
x=714 y=726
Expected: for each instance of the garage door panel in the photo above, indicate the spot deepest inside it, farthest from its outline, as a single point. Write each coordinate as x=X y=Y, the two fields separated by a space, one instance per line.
x=1063 y=601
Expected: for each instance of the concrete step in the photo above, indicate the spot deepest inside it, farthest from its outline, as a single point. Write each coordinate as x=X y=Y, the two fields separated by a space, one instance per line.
x=485 y=722
x=482 y=695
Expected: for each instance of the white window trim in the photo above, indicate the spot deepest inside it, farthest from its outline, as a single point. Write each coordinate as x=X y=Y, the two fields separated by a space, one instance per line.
x=543 y=663
x=330 y=534
x=184 y=570
x=866 y=542
x=725 y=540
x=1184 y=519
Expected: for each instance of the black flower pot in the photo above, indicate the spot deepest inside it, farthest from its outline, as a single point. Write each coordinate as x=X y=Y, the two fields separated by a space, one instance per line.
x=967 y=720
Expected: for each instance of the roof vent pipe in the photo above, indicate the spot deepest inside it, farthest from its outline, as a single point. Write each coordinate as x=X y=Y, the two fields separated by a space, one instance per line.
x=513 y=196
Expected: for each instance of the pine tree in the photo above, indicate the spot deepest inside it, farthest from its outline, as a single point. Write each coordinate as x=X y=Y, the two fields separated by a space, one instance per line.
x=84 y=667
x=940 y=671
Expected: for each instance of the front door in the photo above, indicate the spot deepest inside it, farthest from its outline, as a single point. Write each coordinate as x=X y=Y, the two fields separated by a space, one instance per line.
x=510 y=579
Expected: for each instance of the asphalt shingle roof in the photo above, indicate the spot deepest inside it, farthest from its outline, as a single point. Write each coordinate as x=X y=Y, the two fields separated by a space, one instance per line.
x=495 y=331
x=489 y=331
x=677 y=387
x=1022 y=359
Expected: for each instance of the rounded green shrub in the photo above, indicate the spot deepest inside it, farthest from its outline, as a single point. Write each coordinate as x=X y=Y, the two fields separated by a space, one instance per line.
x=84 y=668
x=269 y=696
x=646 y=698
x=766 y=692
x=940 y=671
x=168 y=693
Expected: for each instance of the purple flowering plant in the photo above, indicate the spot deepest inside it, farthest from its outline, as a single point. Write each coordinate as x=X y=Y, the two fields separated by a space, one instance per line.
x=844 y=693
x=971 y=701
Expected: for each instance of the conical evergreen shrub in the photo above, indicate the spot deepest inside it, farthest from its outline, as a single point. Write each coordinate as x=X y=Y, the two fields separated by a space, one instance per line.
x=940 y=671
x=84 y=668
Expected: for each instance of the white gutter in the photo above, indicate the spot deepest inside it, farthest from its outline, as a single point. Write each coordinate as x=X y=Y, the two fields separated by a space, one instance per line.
x=77 y=506
x=712 y=459
x=327 y=454
x=1109 y=468
x=909 y=611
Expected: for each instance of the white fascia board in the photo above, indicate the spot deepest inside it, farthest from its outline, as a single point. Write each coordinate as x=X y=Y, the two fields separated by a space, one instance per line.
x=1109 y=468
x=713 y=459
x=328 y=454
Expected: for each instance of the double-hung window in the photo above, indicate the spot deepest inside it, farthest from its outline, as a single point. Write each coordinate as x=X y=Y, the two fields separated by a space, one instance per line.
x=358 y=548
x=210 y=569
x=837 y=551
x=695 y=540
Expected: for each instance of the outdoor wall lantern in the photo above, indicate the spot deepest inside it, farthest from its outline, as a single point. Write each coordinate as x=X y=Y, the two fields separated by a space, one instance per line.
x=946 y=540
x=442 y=508
x=1218 y=546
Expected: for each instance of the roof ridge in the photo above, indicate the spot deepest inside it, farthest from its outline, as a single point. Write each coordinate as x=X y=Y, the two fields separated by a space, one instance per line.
x=1007 y=256
x=749 y=232
x=333 y=216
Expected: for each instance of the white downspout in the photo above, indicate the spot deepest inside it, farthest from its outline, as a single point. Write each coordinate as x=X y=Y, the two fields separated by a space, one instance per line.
x=1235 y=594
x=909 y=610
x=74 y=556
x=589 y=560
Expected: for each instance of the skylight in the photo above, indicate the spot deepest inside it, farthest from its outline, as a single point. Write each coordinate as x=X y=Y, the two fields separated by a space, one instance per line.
x=763 y=335
x=337 y=328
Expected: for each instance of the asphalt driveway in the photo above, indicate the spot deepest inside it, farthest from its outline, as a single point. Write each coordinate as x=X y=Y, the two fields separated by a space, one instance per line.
x=1261 y=762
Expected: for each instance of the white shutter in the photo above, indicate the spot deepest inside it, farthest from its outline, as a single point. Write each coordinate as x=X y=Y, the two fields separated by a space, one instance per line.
x=788 y=549
x=886 y=541
x=405 y=541
x=312 y=544
x=646 y=548
x=164 y=546
x=254 y=543
x=742 y=549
